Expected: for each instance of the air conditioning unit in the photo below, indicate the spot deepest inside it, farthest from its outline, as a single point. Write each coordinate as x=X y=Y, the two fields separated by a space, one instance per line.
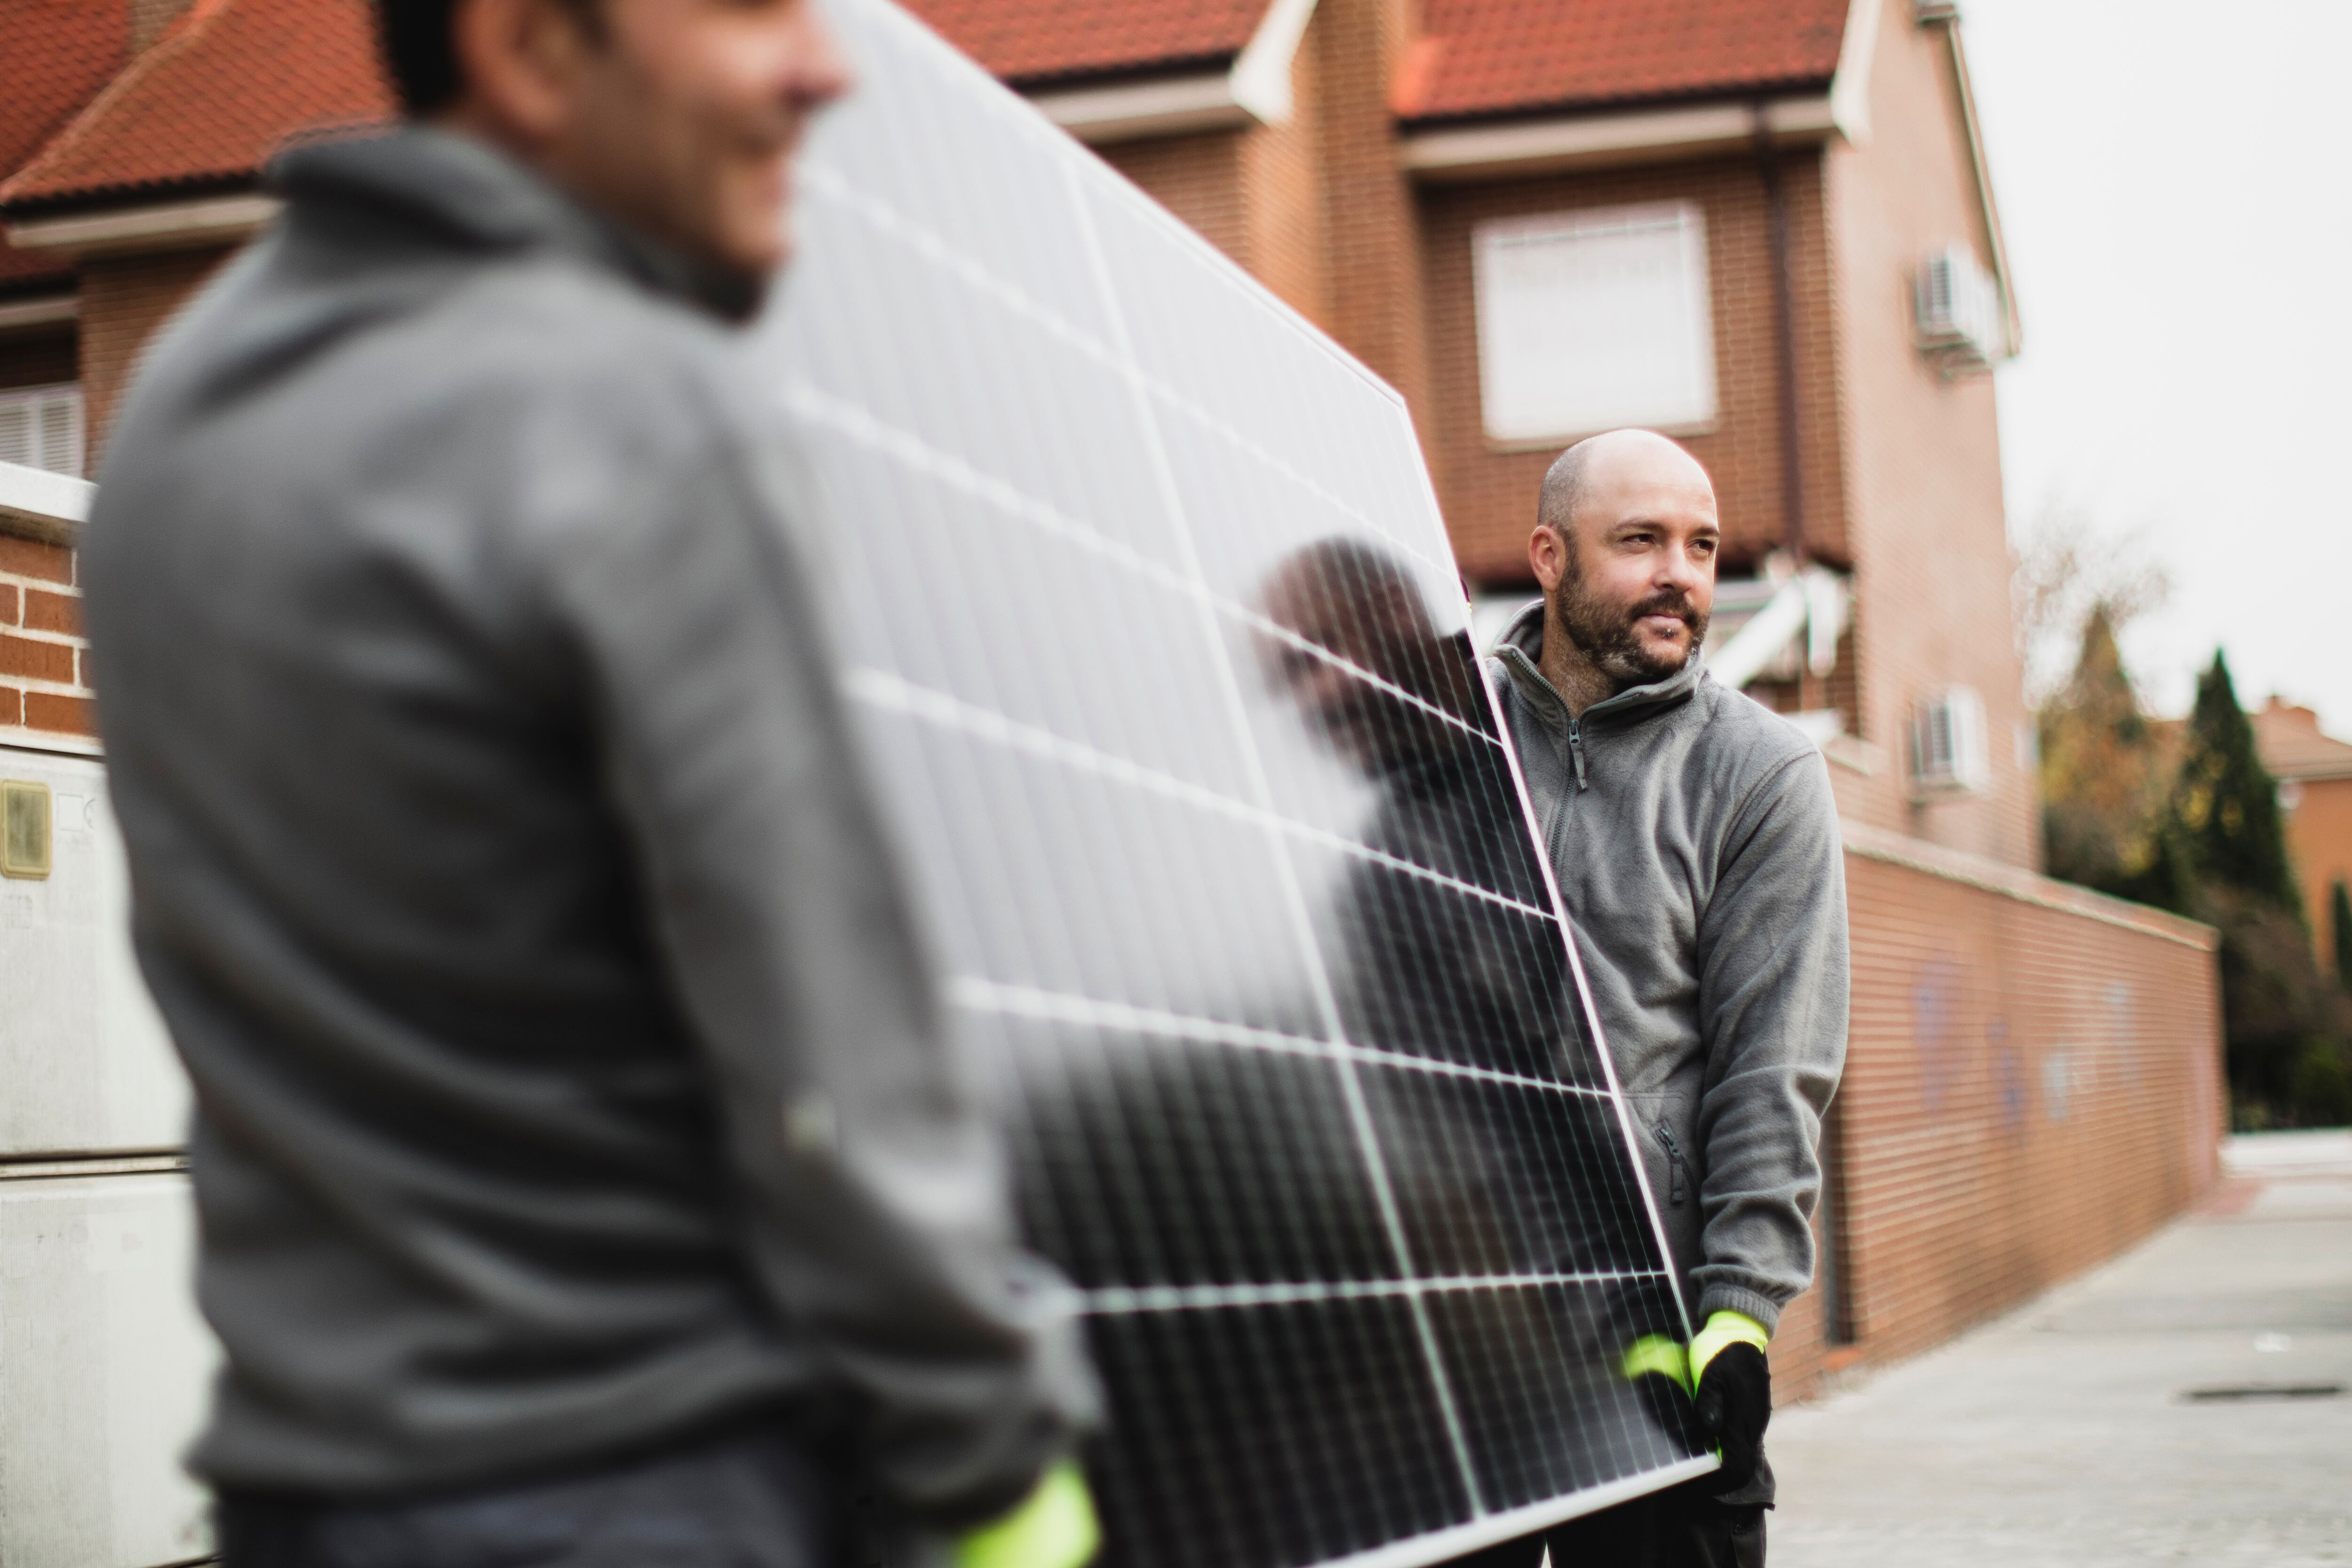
x=1937 y=10
x=1962 y=326
x=1948 y=753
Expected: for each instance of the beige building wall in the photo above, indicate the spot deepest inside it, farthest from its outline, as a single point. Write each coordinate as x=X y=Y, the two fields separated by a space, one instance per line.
x=1922 y=460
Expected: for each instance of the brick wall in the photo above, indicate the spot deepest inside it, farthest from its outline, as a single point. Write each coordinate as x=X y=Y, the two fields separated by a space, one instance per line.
x=44 y=679
x=44 y=674
x=1922 y=459
x=2319 y=837
x=1288 y=230
x=2034 y=1084
x=1372 y=228
x=1262 y=194
x=124 y=299
x=1489 y=491
x=1198 y=178
x=1255 y=193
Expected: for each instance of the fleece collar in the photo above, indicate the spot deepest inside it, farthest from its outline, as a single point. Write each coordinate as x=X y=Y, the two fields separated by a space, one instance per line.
x=1521 y=649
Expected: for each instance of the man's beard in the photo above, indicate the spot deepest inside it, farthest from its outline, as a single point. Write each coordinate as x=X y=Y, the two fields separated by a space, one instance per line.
x=1604 y=634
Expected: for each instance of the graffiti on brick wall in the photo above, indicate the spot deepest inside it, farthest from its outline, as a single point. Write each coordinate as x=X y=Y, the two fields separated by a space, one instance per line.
x=2006 y=1065
x=1935 y=1027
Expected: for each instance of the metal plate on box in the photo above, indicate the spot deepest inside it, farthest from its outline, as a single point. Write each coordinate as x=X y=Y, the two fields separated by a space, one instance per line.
x=25 y=842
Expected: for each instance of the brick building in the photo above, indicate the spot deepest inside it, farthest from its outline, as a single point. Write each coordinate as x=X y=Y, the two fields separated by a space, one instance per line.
x=1763 y=225
x=2314 y=774
x=1766 y=226
x=1718 y=214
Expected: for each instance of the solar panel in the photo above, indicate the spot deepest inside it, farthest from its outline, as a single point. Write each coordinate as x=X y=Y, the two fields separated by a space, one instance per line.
x=1157 y=643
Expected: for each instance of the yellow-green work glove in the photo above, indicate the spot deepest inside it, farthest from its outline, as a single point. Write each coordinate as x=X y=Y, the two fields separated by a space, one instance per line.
x=1731 y=1393
x=1722 y=1330
x=1656 y=1354
x=1054 y=1526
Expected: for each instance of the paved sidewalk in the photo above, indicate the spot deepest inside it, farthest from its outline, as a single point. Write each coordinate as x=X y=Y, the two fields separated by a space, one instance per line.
x=2062 y=1436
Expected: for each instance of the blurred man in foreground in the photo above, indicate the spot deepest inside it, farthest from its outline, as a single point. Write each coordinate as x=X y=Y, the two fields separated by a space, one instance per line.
x=1696 y=848
x=583 y=1173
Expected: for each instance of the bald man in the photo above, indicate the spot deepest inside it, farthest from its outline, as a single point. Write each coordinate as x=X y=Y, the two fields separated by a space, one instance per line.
x=1696 y=848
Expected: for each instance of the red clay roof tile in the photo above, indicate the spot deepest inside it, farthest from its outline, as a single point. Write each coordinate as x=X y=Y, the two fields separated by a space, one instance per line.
x=2293 y=746
x=234 y=78
x=61 y=53
x=1500 y=56
x=207 y=103
x=1036 y=40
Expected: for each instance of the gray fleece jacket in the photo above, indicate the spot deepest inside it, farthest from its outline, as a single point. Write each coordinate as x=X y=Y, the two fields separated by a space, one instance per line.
x=1696 y=847
x=570 y=1070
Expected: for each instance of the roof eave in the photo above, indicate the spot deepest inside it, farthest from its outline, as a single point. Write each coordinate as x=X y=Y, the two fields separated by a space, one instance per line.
x=32 y=311
x=135 y=226
x=1551 y=143
x=1849 y=86
x=1948 y=19
x=1253 y=88
x=2331 y=771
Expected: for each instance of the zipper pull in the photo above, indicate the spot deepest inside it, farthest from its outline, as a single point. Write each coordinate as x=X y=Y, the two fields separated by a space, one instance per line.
x=1576 y=750
x=1676 y=1187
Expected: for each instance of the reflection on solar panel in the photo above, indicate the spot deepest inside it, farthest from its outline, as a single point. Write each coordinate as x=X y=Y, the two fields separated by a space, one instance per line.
x=1159 y=645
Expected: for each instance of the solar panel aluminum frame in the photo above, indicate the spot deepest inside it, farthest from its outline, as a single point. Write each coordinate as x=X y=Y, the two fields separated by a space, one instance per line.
x=887 y=38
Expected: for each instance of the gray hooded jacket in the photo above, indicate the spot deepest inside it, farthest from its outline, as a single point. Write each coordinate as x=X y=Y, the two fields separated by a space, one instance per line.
x=570 y=1072
x=1697 y=847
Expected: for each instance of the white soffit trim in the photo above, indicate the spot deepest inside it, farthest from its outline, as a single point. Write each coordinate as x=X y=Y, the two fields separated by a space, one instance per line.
x=1258 y=88
x=1261 y=75
x=1850 y=88
x=163 y=226
x=1658 y=135
x=1970 y=128
x=1127 y=110
x=40 y=313
x=38 y=504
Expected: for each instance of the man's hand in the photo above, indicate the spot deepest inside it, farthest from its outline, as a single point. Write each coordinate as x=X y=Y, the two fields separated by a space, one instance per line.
x=1734 y=1399
x=1054 y=1526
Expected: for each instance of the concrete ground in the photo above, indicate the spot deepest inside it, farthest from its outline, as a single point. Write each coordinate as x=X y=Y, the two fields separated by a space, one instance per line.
x=2065 y=1435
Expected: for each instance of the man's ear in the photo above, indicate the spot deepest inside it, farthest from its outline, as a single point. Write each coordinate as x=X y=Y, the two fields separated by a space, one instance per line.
x=1548 y=556
x=516 y=62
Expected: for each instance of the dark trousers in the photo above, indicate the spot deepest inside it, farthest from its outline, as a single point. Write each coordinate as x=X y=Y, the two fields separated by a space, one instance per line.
x=747 y=1501
x=1673 y=1529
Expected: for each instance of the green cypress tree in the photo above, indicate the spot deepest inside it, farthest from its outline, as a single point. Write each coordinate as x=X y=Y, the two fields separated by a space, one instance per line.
x=2339 y=915
x=2288 y=1030
x=2226 y=803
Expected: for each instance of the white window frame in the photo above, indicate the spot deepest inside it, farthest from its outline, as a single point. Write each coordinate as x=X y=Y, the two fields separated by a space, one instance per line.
x=77 y=429
x=1514 y=420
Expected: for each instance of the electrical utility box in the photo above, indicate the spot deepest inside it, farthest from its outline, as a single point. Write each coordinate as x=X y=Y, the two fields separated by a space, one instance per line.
x=104 y=1364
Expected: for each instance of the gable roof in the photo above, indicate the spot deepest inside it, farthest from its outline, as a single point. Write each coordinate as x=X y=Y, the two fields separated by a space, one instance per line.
x=60 y=54
x=1474 y=58
x=205 y=105
x=1507 y=56
x=2293 y=746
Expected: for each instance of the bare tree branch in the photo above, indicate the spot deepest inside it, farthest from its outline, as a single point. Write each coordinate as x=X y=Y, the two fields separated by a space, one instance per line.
x=2068 y=562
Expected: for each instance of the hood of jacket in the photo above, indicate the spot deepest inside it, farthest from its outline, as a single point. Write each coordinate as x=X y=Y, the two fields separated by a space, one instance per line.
x=470 y=196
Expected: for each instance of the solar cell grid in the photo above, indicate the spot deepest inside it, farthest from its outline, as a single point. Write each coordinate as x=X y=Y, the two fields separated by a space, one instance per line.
x=1154 y=633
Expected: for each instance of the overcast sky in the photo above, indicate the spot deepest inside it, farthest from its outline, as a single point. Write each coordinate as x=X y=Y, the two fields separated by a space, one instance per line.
x=2176 y=183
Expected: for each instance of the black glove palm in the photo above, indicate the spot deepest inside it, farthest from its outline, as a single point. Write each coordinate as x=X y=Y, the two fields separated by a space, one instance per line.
x=1733 y=1404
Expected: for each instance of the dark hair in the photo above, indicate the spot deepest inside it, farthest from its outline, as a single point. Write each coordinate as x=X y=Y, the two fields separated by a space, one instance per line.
x=413 y=36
